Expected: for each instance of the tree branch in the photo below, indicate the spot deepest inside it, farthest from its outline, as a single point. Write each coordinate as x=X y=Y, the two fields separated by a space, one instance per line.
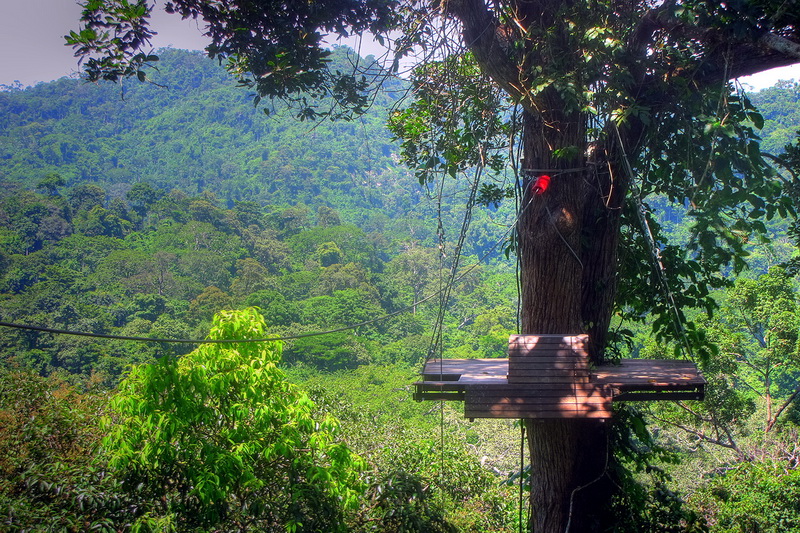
x=481 y=31
x=725 y=58
x=782 y=45
x=782 y=408
x=731 y=445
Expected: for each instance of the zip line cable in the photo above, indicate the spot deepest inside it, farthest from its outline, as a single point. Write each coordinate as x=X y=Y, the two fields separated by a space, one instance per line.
x=519 y=188
x=59 y=331
x=437 y=343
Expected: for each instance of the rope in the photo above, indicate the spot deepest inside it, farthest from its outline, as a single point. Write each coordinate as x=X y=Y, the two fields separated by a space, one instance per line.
x=521 y=471
x=560 y=236
x=595 y=480
x=655 y=252
x=555 y=171
x=519 y=190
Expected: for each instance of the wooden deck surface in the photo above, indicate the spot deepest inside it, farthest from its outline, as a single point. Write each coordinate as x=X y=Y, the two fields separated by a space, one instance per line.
x=649 y=373
x=631 y=375
x=467 y=370
x=549 y=376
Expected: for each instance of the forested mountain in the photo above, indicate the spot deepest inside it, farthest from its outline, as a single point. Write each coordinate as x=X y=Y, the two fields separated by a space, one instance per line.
x=143 y=210
x=198 y=132
x=779 y=106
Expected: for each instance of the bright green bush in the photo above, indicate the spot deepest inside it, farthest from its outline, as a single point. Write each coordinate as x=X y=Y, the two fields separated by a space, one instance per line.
x=218 y=439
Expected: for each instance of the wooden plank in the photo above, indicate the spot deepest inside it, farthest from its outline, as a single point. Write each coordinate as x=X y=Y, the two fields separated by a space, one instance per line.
x=537 y=408
x=524 y=395
x=439 y=385
x=656 y=396
x=533 y=380
x=441 y=377
x=566 y=366
x=537 y=415
x=444 y=396
x=547 y=372
x=541 y=404
x=568 y=402
x=514 y=391
x=526 y=412
x=655 y=385
x=546 y=353
x=561 y=353
x=548 y=363
x=550 y=371
x=566 y=373
x=537 y=396
x=510 y=388
x=566 y=391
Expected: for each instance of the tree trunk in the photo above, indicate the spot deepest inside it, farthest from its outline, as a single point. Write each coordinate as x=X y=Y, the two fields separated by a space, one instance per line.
x=568 y=457
x=568 y=486
x=568 y=239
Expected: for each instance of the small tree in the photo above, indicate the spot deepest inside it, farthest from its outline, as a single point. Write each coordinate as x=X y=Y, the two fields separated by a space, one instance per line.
x=220 y=439
x=762 y=334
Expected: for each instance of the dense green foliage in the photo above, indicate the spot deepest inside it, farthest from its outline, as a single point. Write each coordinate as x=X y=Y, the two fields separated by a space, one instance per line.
x=161 y=268
x=778 y=105
x=220 y=439
x=200 y=133
x=144 y=216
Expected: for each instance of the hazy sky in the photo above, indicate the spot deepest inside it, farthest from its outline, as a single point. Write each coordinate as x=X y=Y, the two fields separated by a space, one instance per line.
x=32 y=33
x=32 y=41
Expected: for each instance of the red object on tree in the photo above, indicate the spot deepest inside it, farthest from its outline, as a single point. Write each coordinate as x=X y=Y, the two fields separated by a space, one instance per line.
x=541 y=183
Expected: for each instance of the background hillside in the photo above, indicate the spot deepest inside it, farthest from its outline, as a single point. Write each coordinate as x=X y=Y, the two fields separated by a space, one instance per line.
x=198 y=133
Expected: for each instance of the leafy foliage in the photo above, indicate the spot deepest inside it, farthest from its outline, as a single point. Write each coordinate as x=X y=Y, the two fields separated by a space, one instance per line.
x=284 y=59
x=50 y=477
x=760 y=496
x=219 y=438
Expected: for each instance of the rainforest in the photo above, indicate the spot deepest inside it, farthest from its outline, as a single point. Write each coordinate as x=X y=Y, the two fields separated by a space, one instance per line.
x=151 y=217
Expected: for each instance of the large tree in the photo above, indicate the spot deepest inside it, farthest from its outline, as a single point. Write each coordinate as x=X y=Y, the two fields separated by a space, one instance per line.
x=614 y=100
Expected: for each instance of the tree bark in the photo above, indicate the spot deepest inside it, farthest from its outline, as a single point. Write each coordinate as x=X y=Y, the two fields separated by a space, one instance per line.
x=569 y=488
x=568 y=457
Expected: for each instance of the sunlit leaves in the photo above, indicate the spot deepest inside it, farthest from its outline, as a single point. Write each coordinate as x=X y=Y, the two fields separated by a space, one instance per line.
x=457 y=121
x=221 y=436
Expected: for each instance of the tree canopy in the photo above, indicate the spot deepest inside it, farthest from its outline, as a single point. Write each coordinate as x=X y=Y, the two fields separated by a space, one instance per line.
x=612 y=100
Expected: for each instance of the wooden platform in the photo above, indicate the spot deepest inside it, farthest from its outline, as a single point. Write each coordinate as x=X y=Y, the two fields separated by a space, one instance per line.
x=551 y=378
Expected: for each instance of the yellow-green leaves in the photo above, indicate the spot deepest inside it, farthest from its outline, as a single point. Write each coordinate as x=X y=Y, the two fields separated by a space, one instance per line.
x=219 y=436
